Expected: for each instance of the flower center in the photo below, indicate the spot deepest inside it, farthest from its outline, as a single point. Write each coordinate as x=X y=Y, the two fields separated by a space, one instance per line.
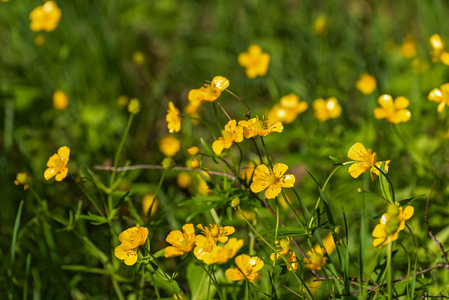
x=59 y=163
x=272 y=179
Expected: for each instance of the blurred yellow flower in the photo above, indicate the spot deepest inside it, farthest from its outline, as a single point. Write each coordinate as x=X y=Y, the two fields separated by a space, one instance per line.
x=365 y=159
x=247 y=267
x=250 y=215
x=183 y=180
x=262 y=127
x=194 y=163
x=288 y=109
x=173 y=118
x=231 y=133
x=440 y=96
x=57 y=164
x=438 y=52
x=271 y=181
x=22 y=179
x=202 y=187
x=182 y=242
x=60 y=100
x=193 y=150
x=394 y=111
x=229 y=250
x=45 y=17
x=316 y=258
x=217 y=232
x=122 y=100
x=255 y=61
x=134 y=106
x=169 y=145
x=390 y=224
x=408 y=48
x=147 y=202
x=39 y=40
x=284 y=249
x=208 y=92
x=326 y=109
x=320 y=26
x=366 y=83
x=139 y=58
x=247 y=172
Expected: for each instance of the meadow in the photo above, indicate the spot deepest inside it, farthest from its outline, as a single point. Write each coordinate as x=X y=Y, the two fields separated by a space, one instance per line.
x=224 y=149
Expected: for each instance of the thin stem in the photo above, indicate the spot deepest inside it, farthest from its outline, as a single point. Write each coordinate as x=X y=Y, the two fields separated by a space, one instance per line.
x=222 y=108
x=117 y=288
x=266 y=152
x=389 y=267
x=248 y=113
x=119 y=149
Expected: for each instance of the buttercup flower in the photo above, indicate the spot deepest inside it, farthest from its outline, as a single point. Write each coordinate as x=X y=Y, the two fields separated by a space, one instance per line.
x=217 y=232
x=326 y=109
x=288 y=109
x=182 y=242
x=285 y=250
x=60 y=100
x=45 y=17
x=205 y=249
x=134 y=106
x=209 y=92
x=231 y=133
x=408 y=48
x=440 y=96
x=262 y=127
x=394 y=111
x=271 y=181
x=169 y=145
x=320 y=26
x=173 y=118
x=365 y=159
x=247 y=268
x=147 y=202
x=22 y=179
x=366 y=83
x=193 y=150
x=128 y=255
x=229 y=250
x=255 y=61
x=438 y=52
x=316 y=258
x=391 y=223
x=133 y=237
x=57 y=164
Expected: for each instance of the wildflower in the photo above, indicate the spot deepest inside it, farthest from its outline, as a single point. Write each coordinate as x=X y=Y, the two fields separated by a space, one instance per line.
x=209 y=92
x=168 y=163
x=204 y=249
x=249 y=215
x=194 y=163
x=255 y=61
x=288 y=109
x=262 y=127
x=271 y=181
x=147 y=202
x=365 y=159
x=440 y=96
x=193 y=150
x=408 y=48
x=139 y=58
x=173 y=118
x=134 y=106
x=316 y=258
x=326 y=109
x=45 y=17
x=57 y=164
x=229 y=250
x=129 y=256
x=169 y=145
x=390 y=224
x=438 y=52
x=183 y=180
x=22 y=179
x=366 y=84
x=247 y=268
x=60 y=100
x=182 y=242
x=394 y=111
x=217 y=232
x=235 y=202
x=231 y=133
x=247 y=172
x=320 y=26
x=285 y=250
x=202 y=186
x=122 y=101
x=133 y=237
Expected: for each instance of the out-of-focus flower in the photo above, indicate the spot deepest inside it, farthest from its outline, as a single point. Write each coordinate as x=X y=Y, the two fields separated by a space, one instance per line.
x=45 y=17
x=235 y=202
x=193 y=150
x=284 y=249
x=39 y=40
x=183 y=180
x=130 y=240
x=147 y=202
x=60 y=100
x=122 y=101
x=57 y=164
x=255 y=61
x=168 y=163
x=271 y=181
x=408 y=48
x=231 y=133
x=320 y=26
x=229 y=250
x=209 y=92
x=173 y=118
x=390 y=224
x=365 y=159
x=194 y=163
x=182 y=242
x=139 y=58
x=366 y=83
x=22 y=179
x=316 y=258
x=440 y=96
x=217 y=232
x=247 y=172
x=438 y=52
x=262 y=127
x=288 y=109
x=247 y=267
x=394 y=111
x=169 y=145
x=202 y=187
x=326 y=109
x=134 y=106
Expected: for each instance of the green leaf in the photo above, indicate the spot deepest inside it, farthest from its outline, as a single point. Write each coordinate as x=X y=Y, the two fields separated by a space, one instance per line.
x=95 y=219
x=286 y=231
x=385 y=187
x=85 y=269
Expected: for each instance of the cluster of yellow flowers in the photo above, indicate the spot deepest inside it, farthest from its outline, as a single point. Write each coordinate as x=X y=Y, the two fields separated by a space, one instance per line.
x=130 y=240
x=391 y=223
x=45 y=17
x=438 y=52
x=288 y=109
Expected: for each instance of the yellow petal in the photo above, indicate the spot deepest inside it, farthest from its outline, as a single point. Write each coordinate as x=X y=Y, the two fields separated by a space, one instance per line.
x=408 y=212
x=49 y=173
x=272 y=191
x=356 y=169
x=357 y=151
x=441 y=106
x=435 y=95
x=258 y=186
x=279 y=169
x=172 y=252
x=234 y=275
x=401 y=102
x=218 y=146
x=64 y=152
x=380 y=113
x=386 y=101
x=261 y=171
x=288 y=181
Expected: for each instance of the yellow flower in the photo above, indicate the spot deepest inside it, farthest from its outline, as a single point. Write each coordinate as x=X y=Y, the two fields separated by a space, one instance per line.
x=229 y=250
x=169 y=145
x=173 y=118
x=45 y=17
x=408 y=48
x=57 y=164
x=139 y=58
x=288 y=109
x=194 y=163
x=133 y=237
x=183 y=180
x=320 y=26
x=285 y=250
x=365 y=159
x=271 y=181
x=391 y=223
x=122 y=101
x=205 y=249
x=250 y=215
x=326 y=109
x=438 y=53
x=247 y=172
x=128 y=255
x=316 y=258
x=440 y=96
x=22 y=179
x=217 y=232
x=193 y=150
x=262 y=127
x=255 y=61
x=394 y=111
x=366 y=83
x=247 y=268
x=134 y=106
x=202 y=187
x=60 y=100
x=209 y=92
x=231 y=133
x=182 y=242
x=147 y=202
x=436 y=43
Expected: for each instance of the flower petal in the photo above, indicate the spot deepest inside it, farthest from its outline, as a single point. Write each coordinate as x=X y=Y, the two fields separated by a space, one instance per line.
x=386 y=101
x=234 y=275
x=258 y=186
x=357 y=151
x=288 y=181
x=401 y=102
x=272 y=191
x=49 y=173
x=172 y=252
x=356 y=169
x=64 y=152
x=279 y=169
x=408 y=212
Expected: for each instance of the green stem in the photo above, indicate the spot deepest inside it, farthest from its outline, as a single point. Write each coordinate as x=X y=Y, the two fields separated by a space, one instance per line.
x=302 y=223
x=119 y=150
x=389 y=268
x=155 y=195
x=266 y=152
x=211 y=277
x=277 y=228
x=87 y=195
